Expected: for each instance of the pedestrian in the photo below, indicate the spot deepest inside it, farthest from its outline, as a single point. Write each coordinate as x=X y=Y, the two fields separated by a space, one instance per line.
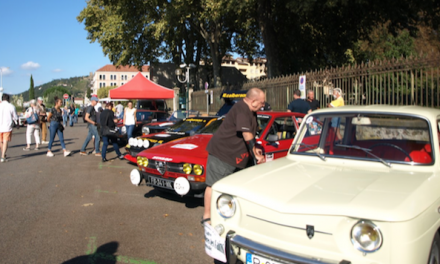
x=43 y=120
x=55 y=117
x=33 y=128
x=338 y=100
x=65 y=114
x=313 y=103
x=119 y=110
x=233 y=143
x=266 y=107
x=298 y=105
x=129 y=119
x=90 y=117
x=335 y=123
x=108 y=120
x=71 y=114
x=76 y=115
x=8 y=118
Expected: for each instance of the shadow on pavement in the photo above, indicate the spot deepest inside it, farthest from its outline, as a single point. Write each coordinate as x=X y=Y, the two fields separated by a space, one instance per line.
x=190 y=202
x=104 y=254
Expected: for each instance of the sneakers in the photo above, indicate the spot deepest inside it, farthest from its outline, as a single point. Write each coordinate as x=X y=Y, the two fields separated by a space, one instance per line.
x=92 y=152
x=44 y=142
x=49 y=154
x=2 y=159
x=97 y=154
x=121 y=157
x=83 y=153
x=26 y=149
x=67 y=153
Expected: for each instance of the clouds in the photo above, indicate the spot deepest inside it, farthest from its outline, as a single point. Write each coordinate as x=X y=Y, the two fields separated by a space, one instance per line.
x=30 y=65
x=57 y=70
x=5 y=71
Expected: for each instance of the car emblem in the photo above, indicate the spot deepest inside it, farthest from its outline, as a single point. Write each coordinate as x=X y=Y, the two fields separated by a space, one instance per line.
x=310 y=231
x=160 y=166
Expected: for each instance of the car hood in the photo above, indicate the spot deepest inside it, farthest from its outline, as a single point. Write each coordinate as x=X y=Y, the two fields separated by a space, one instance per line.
x=374 y=192
x=183 y=150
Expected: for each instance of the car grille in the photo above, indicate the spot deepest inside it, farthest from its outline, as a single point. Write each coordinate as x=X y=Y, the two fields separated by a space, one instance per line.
x=169 y=166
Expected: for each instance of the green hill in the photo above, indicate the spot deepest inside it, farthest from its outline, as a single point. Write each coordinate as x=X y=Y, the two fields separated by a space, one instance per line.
x=76 y=85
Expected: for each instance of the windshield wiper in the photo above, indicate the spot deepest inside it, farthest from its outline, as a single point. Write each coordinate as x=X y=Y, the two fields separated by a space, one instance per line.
x=312 y=147
x=366 y=150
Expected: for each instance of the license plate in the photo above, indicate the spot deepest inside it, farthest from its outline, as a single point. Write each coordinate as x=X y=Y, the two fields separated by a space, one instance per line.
x=255 y=259
x=167 y=184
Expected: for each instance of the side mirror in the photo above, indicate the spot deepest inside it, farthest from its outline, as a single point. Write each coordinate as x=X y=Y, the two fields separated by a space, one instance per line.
x=272 y=138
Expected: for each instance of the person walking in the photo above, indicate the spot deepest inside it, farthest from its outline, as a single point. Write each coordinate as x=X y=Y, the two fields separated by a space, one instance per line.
x=65 y=114
x=238 y=130
x=55 y=117
x=76 y=115
x=119 y=110
x=8 y=118
x=71 y=114
x=108 y=121
x=298 y=105
x=313 y=103
x=43 y=120
x=337 y=95
x=90 y=117
x=33 y=128
x=129 y=119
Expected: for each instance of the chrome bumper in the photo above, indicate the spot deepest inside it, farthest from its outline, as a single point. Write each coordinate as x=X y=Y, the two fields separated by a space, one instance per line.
x=265 y=251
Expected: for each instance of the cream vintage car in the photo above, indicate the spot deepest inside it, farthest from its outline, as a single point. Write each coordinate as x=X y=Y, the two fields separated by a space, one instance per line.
x=359 y=185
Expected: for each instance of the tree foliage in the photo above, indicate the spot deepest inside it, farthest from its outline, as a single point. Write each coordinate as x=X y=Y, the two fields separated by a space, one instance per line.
x=31 y=89
x=103 y=92
x=57 y=89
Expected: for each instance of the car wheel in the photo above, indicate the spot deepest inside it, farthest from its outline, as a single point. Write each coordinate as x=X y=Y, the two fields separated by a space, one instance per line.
x=434 y=255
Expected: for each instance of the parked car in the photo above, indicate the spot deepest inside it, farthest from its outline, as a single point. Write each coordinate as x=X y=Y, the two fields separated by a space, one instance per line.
x=178 y=115
x=21 y=119
x=179 y=166
x=181 y=129
x=359 y=185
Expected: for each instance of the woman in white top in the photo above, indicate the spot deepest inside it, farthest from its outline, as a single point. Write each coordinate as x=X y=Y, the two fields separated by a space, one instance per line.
x=129 y=119
x=33 y=128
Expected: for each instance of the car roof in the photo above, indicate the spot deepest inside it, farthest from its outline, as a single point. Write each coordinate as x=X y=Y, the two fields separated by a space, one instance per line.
x=280 y=113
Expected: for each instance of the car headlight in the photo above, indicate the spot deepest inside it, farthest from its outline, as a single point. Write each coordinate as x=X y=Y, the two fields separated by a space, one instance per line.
x=366 y=236
x=145 y=130
x=187 y=168
x=139 y=160
x=145 y=162
x=130 y=141
x=226 y=206
x=140 y=142
x=123 y=130
x=146 y=143
x=134 y=142
x=198 y=169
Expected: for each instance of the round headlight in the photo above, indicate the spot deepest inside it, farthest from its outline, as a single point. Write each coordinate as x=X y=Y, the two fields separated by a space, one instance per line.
x=145 y=162
x=226 y=206
x=140 y=142
x=146 y=143
x=198 y=169
x=123 y=130
x=139 y=160
x=134 y=142
x=145 y=130
x=130 y=141
x=187 y=168
x=366 y=236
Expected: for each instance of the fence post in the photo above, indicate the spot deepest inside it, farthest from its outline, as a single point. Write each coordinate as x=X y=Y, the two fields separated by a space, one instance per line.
x=176 y=99
x=412 y=87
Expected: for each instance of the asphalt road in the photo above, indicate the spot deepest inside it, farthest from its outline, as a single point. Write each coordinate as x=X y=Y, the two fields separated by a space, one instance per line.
x=80 y=210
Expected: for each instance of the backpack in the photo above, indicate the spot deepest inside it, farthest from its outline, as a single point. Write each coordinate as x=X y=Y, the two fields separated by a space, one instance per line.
x=92 y=113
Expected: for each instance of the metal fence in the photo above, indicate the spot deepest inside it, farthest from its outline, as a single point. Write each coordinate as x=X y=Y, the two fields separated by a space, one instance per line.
x=404 y=81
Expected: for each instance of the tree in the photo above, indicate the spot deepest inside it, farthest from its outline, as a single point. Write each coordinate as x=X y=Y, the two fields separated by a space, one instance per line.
x=103 y=92
x=31 y=89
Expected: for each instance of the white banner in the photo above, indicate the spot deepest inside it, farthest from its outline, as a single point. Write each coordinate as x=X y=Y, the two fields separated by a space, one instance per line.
x=214 y=244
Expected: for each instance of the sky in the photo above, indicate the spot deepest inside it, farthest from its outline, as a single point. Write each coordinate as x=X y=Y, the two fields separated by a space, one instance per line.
x=44 y=38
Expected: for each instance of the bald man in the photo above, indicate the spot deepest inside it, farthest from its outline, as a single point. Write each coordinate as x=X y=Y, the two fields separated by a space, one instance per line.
x=233 y=143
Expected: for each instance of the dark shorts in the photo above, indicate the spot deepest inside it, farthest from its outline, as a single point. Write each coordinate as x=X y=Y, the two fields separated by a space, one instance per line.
x=217 y=170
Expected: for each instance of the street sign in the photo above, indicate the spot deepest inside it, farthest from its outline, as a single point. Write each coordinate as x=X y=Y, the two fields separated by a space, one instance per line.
x=206 y=87
x=302 y=86
x=65 y=96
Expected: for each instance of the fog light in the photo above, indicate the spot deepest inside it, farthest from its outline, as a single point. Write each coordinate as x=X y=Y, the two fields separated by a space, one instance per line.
x=191 y=178
x=145 y=162
x=135 y=177
x=220 y=229
x=187 y=168
x=198 y=169
x=146 y=143
x=139 y=160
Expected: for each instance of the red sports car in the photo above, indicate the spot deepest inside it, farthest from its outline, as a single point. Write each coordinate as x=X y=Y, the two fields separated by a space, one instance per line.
x=180 y=165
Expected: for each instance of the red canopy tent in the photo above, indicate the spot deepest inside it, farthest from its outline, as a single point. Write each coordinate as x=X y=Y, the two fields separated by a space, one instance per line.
x=141 y=88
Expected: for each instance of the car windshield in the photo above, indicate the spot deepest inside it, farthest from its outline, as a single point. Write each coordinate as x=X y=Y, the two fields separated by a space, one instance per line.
x=144 y=116
x=187 y=125
x=386 y=138
x=179 y=115
x=212 y=127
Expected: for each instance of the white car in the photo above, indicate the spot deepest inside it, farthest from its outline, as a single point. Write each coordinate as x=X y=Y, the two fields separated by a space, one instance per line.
x=360 y=185
x=21 y=119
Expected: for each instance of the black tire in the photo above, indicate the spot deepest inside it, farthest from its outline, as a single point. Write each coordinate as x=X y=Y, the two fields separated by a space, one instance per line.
x=434 y=254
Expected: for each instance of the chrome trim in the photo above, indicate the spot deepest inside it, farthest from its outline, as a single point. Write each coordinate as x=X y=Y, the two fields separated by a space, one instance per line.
x=271 y=253
x=296 y=227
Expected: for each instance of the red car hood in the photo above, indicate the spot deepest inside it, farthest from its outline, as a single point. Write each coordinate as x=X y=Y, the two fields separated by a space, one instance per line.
x=181 y=150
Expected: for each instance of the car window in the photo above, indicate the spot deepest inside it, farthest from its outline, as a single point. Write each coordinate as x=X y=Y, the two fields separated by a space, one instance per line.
x=262 y=120
x=393 y=138
x=187 y=125
x=283 y=128
x=144 y=116
x=162 y=116
x=211 y=127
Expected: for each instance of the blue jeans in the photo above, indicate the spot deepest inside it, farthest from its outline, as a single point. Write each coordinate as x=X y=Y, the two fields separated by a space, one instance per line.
x=105 y=142
x=53 y=131
x=130 y=129
x=64 y=120
x=93 y=131
x=71 y=120
x=76 y=118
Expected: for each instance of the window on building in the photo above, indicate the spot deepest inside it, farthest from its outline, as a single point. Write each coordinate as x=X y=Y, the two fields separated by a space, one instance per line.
x=100 y=77
x=122 y=83
x=132 y=76
x=103 y=77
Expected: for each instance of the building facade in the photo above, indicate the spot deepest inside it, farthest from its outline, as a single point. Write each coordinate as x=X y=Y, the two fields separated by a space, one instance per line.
x=254 y=70
x=110 y=75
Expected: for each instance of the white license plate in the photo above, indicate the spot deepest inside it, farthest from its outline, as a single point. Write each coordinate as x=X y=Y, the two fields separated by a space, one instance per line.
x=255 y=259
x=167 y=184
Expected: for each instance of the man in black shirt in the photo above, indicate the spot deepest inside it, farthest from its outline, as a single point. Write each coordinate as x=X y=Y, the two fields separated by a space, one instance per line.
x=314 y=104
x=233 y=143
x=298 y=105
